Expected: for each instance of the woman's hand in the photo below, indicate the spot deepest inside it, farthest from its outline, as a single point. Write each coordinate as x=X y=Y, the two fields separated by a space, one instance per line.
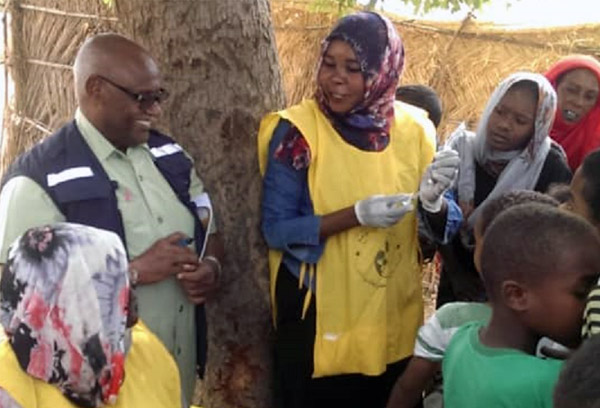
x=382 y=211
x=438 y=179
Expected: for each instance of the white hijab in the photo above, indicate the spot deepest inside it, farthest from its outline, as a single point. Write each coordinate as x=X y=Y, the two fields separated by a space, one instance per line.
x=524 y=166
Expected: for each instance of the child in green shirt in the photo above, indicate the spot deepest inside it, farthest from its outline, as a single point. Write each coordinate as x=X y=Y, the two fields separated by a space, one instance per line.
x=538 y=264
x=433 y=337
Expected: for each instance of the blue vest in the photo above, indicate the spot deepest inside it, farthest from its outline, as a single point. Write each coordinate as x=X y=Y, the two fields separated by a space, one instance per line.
x=92 y=200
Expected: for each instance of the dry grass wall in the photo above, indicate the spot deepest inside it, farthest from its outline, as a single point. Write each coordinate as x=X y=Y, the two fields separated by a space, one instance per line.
x=462 y=62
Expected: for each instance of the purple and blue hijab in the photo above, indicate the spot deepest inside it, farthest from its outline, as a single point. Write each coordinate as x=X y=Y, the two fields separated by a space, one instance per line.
x=380 y=53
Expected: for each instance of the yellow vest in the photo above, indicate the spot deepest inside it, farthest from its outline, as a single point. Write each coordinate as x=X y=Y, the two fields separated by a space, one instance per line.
x=368 y=284
x=151 y=378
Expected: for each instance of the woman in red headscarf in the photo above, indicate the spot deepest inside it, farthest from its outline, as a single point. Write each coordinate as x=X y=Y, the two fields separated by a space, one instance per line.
x=577 y=123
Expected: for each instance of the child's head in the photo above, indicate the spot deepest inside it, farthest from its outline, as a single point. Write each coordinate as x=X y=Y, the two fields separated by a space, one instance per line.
x=492 y=209
x=585 y=189
x=538 y=263
x=422 y=97
x=511 y=123
x=560 y=192
x=579 y=382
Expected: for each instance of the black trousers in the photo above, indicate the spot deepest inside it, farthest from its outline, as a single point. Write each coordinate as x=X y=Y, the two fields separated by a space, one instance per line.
x=294 y=342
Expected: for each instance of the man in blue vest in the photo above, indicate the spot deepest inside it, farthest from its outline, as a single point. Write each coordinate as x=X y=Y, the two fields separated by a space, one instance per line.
x=110 y=169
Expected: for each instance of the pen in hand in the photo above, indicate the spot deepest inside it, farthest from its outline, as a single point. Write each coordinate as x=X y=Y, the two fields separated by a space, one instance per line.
x=183 y=242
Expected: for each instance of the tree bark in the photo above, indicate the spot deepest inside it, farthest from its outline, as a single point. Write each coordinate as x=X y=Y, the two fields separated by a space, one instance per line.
x=219 y=62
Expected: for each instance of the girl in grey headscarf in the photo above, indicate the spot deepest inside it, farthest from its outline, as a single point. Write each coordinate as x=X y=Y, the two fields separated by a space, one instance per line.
x=511 y=150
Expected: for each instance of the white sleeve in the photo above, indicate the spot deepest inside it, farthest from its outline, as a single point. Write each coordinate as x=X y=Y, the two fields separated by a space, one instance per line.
x=431 y=340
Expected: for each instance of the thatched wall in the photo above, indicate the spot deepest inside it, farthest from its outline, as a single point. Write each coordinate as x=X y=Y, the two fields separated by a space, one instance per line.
x=463 y=63
x=40 y=59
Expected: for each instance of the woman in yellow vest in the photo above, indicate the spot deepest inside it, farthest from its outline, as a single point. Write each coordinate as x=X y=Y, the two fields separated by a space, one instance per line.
x=68 y=311
x=342 y=176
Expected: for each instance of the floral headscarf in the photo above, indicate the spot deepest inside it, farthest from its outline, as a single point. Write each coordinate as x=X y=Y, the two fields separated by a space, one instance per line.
x=578 y=139
x=380 y=53
x=524 y=166
x=64 y=296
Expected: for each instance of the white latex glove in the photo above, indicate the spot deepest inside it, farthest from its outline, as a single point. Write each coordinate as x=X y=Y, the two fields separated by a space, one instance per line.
x=382 y=211
x=438 y=178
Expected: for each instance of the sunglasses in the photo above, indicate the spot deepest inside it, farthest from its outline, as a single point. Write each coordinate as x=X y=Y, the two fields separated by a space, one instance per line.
x=145 y=99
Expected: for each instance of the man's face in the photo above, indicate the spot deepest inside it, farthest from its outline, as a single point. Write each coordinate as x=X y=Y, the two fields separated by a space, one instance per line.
x=124 y=121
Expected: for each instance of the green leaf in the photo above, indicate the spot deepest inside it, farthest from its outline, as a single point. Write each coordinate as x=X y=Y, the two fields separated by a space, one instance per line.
x=416 y=5
x=340 y=7
x=108 y=3
x=456 y=5
x=423 y=6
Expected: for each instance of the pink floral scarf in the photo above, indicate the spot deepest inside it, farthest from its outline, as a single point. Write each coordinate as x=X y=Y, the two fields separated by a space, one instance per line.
x=64 y=295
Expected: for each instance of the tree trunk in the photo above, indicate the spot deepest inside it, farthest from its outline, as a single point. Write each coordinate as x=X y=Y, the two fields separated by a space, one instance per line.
x=219 y=62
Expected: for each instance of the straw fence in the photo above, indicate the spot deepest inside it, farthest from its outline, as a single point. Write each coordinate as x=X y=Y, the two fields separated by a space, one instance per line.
x=462 y=62
x=47 y=35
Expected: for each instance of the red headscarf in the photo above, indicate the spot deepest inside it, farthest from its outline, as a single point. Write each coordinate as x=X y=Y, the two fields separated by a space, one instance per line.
x=578 y=139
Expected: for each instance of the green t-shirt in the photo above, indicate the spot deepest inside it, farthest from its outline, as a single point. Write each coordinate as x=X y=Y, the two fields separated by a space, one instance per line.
x=478 y=376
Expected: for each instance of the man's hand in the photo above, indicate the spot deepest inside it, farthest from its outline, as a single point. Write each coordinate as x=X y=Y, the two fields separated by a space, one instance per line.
x=163 y=259
x=200 y=283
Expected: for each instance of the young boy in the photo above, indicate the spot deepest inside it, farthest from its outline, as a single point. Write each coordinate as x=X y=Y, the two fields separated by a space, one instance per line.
x=538 y=264
x=579 y=382
x=436 y=333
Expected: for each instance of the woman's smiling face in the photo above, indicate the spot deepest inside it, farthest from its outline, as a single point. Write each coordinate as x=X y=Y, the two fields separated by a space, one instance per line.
x=341 y=78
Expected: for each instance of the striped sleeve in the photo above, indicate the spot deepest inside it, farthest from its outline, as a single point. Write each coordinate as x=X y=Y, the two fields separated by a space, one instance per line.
x=591 y=316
